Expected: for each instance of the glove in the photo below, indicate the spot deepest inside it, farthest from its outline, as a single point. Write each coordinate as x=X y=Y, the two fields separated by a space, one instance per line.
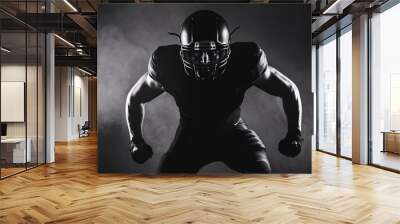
x=290 y=146
x=140 y=151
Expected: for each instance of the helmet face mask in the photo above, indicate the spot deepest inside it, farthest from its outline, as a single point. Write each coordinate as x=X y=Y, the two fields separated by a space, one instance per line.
x=205 y=47
x=205 y=60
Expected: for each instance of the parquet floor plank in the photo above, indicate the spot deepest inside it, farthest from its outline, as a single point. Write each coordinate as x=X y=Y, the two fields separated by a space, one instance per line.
x=71 y=191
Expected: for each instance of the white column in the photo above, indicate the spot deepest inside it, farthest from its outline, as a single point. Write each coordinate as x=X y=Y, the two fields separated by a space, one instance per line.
x=50 y=93
x=360 y=90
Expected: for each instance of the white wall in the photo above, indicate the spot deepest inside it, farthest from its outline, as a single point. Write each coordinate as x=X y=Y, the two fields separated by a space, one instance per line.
x=33 y=126
x=71 y=102
x=17 y=73
x=79 y=103
x=12 y=73
x=62 y=81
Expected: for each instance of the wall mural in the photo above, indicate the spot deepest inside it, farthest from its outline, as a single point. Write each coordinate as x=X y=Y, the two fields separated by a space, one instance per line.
x=204 y=88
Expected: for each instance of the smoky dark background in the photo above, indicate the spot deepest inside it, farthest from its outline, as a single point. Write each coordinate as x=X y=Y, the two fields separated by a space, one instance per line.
x=129 y=33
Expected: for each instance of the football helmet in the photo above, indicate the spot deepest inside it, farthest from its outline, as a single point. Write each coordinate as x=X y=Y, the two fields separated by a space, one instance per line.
x=205 y=40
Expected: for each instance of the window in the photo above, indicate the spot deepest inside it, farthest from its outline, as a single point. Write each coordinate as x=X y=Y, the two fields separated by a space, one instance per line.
x=327 y=95
x=346 y=93
x=335 y=74
x=385 y=89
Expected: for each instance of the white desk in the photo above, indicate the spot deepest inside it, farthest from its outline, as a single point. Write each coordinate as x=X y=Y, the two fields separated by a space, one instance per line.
x=18 y=149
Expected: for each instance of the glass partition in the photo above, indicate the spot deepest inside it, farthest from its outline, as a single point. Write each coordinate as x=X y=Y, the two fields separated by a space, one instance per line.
x=41 y=96
x=22 y=88
x=13 y=103
x=32 y=95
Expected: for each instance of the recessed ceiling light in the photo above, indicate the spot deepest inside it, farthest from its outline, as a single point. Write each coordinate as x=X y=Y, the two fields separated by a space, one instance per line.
x=70 y=5
x=64 y=40
x=337 y=7
x=84 y=71
x=5 y=50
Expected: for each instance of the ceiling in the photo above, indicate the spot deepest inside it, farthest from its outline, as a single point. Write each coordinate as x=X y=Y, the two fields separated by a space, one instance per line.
x=76 y=22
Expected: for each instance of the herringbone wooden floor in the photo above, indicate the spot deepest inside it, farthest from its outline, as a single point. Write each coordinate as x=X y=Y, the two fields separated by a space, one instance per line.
x=71 y=191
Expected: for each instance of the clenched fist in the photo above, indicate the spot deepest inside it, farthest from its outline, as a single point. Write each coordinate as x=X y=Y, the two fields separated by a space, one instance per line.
x=290 y=146
x=140 y=152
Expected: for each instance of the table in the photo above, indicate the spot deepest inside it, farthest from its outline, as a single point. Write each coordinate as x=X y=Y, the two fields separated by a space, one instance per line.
x=391 y=141
x=16 y=147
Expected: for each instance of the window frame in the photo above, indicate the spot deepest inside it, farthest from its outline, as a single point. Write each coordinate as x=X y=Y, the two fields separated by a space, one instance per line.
x=334 y=37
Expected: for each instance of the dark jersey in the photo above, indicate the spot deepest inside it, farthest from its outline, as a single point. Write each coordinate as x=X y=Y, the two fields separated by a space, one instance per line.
x=214 y=100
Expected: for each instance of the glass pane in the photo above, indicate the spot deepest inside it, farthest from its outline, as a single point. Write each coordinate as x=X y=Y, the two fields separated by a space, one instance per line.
x=41 y=98
x=385 y=84
x=327 y=96
x=13 y=90
x=31 y=100
x=31 y=86
x=346 y=94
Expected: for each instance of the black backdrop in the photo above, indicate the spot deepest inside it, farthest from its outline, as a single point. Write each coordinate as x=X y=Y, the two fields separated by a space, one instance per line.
x=129 y=33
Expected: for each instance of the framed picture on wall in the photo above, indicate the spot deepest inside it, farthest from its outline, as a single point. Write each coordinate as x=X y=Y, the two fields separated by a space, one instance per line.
x=12 y=101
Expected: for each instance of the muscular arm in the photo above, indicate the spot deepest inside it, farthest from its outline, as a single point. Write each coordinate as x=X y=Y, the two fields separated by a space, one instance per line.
x=277 y=84
x=144 y=90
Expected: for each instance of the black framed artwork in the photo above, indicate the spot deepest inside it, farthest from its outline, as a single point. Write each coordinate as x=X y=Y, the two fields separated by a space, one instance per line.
x=204 y=88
